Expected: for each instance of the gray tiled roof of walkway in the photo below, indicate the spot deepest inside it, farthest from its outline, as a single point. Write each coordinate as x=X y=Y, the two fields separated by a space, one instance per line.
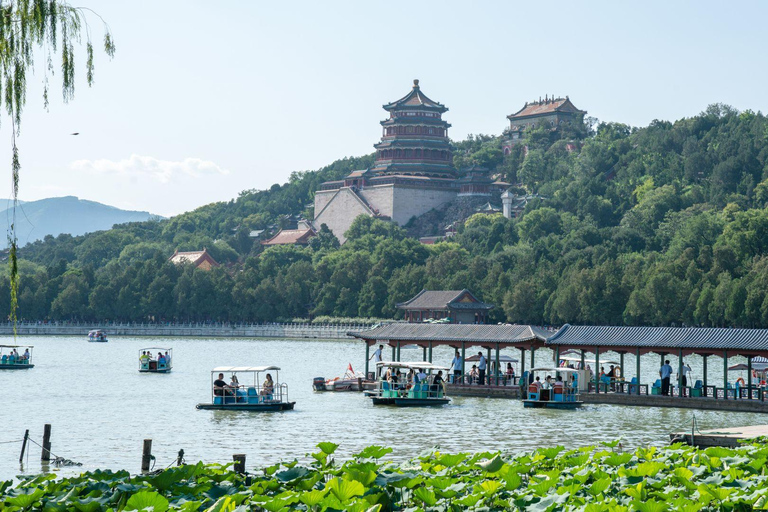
x=478 y=334
x=690 y=339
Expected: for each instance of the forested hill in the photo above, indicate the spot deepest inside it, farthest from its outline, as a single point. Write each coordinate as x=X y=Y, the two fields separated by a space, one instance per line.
x=659 y=225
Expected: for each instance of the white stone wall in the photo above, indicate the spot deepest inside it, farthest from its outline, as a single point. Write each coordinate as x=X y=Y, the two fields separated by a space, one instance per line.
x=321 y=199
x=380 y=198
x=411 y=201
x=339 y=213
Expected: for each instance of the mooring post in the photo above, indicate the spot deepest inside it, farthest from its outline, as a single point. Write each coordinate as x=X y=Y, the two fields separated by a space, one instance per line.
x=46 y=455
x=24 y=445
x=239 y=459
x=360 y=384
x=180 y=458
x=146 y=455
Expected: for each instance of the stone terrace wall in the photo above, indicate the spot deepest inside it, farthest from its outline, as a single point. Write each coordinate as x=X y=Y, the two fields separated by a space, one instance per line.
x=274 y=330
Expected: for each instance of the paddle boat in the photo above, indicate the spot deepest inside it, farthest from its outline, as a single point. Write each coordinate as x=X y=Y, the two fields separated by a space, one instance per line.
x=12 y=359
x=561 y=393
x=351 y=381
x=402 y=394
x=149 y=363
x=260 y=393
x=97 y=335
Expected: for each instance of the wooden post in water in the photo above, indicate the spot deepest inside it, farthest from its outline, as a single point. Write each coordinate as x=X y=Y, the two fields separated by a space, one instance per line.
x=360 y=384
x=46 y=455
x=239 y=459
x=24 y=446
x=146 y=455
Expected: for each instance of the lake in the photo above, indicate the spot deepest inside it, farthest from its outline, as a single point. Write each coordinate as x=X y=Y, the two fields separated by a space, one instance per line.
x=101 y=407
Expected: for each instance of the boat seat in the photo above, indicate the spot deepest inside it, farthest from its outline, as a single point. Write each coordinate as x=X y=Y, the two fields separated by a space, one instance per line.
x=252 y=391
x=217 y=400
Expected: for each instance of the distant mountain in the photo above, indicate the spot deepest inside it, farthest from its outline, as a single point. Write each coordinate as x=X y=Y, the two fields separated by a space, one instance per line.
x=56 y=215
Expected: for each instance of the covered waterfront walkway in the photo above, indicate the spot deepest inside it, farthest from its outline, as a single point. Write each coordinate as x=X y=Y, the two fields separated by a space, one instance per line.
x=668 y=342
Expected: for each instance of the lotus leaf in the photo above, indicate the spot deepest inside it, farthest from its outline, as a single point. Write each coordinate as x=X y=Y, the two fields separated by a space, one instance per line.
x=26 y=499
x=493 y=465
x=426 y=496
x=373 y=452
x=327 y=448
x=344 y=490
x=147 y=500
x=292 y=474
x=313 y=498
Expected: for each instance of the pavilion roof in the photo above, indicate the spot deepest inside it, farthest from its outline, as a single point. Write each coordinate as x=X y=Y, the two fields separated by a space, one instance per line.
x=193 y=257
x=546 y=107
x=416 y=98
x=478 y=334
x=291 y=237
x=704 y=339
x=444 y=299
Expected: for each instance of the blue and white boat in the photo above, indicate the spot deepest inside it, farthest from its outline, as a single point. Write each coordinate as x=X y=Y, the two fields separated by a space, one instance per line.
x=561 y=393
x=400 y=393
x=97 y=336
x=16 y=357
x=155 y=360
x=260 y=393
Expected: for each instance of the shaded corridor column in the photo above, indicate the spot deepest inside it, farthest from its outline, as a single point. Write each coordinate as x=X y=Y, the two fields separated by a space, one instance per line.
x=704 y=357
x=367 y=358
x=463 y=359
x=749 y=377
x=430 y=351
x=725 y=375
x=637 y=370
x=597 y=369
x=522 y=365
x=680 y=390
x=498 y=370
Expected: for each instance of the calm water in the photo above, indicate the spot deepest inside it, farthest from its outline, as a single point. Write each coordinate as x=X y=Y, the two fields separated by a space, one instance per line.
x=101 y=408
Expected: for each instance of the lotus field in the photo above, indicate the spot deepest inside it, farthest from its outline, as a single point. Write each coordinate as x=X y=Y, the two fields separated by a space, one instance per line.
x=590 y=478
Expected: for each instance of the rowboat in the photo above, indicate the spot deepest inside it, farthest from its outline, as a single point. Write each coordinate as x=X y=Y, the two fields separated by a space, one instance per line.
x=160 y=363
x=11 y=359
x=561 y=392
x=350 y=381
x=427 y=391
x=259 y=394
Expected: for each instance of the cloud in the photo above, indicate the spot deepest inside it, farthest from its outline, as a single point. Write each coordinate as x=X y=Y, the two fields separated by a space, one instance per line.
x=160 y=170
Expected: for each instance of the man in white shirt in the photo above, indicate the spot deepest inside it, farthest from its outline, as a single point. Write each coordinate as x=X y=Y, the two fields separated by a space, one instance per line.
x=481 y=368
x=686 y=375
x=377 y=359
x=457 y=369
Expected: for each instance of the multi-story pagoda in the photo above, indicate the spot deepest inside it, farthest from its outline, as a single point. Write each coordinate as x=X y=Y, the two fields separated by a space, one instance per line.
x=414 y=139
x=412 y=174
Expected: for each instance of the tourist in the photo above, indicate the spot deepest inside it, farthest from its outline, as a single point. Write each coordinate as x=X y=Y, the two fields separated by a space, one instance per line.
x=537 y=383
x=5 y=358
x=410 y=378
x=233 y=383
x=437 y=384
x=684 y=378
x=268 y=387
x=26 y=356
x=473 y=374
x=219 y=386
x=167 y=358
x=456 y=364
x=376 y=360
x=421 y=375
x=481 y=367
x=665 y=372
x=510 y=374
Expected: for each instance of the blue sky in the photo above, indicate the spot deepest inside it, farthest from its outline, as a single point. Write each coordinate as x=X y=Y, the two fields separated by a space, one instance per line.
x=206 y=99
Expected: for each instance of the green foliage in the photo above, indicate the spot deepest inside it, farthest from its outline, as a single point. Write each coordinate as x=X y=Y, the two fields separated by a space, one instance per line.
x=677 y=477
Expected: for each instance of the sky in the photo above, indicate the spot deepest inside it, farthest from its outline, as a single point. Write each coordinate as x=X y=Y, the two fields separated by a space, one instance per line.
x=204 y=100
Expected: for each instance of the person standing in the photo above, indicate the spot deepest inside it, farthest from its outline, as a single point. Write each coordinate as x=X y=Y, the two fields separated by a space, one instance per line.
x=684 y=378
x=665 y=372
x=456 y=365
x=481 y=365
x=376 y=360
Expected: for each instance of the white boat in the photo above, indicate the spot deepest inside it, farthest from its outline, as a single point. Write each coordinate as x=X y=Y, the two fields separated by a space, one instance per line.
x=400 y=393
x=563 y=393
x=257 y=395
x=350 y=381
x=11 y=359
x=97 y=335
x=160 y=363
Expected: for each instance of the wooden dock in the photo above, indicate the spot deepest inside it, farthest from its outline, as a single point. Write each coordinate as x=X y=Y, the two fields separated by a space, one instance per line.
x=728 y=437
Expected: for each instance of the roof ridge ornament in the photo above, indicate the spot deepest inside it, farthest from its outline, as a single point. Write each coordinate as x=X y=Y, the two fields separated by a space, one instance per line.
x=415 y=83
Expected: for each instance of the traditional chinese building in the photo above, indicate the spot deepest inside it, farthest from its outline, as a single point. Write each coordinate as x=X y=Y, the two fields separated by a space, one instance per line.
x=460 y=306
x=200 y=259
x=299 y=236
x=552 y=112
x=412 y=174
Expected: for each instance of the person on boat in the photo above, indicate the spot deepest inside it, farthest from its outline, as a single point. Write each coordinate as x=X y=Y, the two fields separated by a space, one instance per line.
x=421 y=375
x=376 y=360
x=268 y=387
x=26 y=356
x=233 y=383
x=437 y=384
x=559 y=381
x=5 y=358
x=12 y=359
x=160 y=359
x=220 y=387
x=537 y=383
x=167 y=358
x=456 y=364
x=410 y=378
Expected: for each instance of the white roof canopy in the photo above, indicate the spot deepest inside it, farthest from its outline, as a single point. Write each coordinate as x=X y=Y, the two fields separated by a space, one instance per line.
x=244 y=369
x=425 y=365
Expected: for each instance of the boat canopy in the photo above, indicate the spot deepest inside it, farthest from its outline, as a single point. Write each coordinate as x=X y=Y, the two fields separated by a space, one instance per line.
x=245 y=369
x=17 y=346
x=758 y=367
x=578 y=360
x=156 y=348
x=95 y=331
x=502 y=359
x=554 y=369
x=425 y=365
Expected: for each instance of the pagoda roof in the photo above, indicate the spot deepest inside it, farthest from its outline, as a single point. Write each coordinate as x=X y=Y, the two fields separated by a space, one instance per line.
x=488 y=208
x=546 y=107
x=416 y=120
x=415 y=143
x=291 y=237
x=417 y=99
